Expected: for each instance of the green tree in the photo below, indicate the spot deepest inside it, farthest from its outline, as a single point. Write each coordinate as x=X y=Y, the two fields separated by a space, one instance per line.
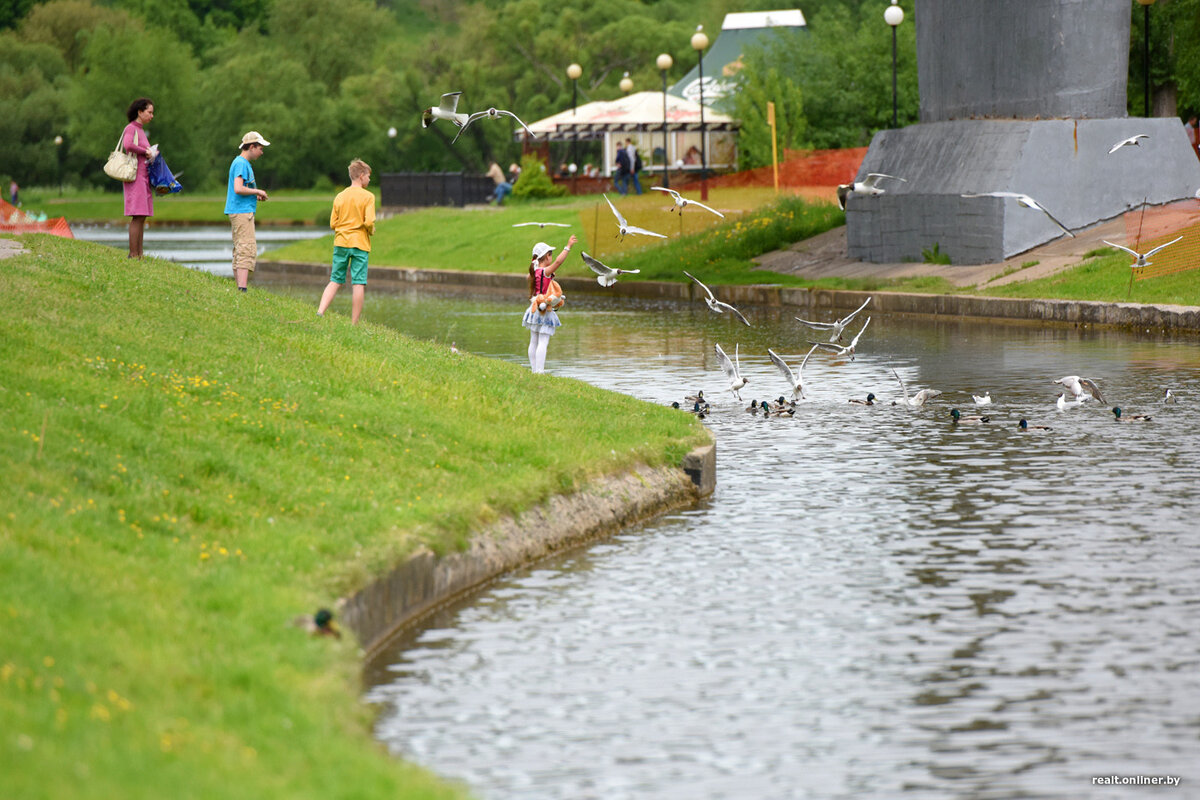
x=67 y=25
x=33 y=89
x=332 y=39
x=757 y=84
x=122 y=65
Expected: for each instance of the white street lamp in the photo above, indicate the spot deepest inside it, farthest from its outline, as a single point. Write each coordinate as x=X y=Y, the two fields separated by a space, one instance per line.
x=893 y=16
x=700 y=44
x=664 y=62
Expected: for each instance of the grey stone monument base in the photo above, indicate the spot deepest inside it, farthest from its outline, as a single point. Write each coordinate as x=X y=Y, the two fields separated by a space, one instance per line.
x=1064 y=164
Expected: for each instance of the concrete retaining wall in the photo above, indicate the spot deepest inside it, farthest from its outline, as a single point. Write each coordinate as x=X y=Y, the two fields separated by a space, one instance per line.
x=1068 y=312
x=425 y=581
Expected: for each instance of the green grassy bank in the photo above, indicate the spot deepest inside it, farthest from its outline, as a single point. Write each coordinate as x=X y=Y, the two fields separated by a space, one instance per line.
x=185 y=468
x=286 y=206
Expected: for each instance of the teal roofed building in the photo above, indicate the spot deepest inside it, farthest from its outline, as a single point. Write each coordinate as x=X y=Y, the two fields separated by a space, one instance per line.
x=723 y=58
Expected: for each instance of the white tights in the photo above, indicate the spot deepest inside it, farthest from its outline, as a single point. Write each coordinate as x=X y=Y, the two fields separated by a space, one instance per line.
x=538 y=342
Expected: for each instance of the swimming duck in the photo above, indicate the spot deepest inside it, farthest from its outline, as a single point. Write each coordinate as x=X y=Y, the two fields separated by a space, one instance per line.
x=753 y=407
x=1024 y=425
x=319 y=624
x=870 y=401
x=698 y=397
x=700 y=410
x=1135 y=418
x=961 y=420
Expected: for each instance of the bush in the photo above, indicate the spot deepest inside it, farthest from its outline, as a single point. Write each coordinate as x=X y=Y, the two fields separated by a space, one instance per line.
x=534 y=181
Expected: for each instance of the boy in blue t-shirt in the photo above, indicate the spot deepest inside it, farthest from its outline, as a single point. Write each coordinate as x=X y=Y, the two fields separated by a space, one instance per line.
x=241 y=201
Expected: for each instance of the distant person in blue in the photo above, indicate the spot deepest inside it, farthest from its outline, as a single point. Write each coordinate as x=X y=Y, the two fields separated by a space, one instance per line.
x=635 y=165
x=241 y=201
x=503 y=187
x=621 y=178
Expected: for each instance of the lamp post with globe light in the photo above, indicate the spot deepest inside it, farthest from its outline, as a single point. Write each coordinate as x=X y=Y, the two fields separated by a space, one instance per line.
x=664 y=62
x=574 y=72
x=893 y=16
x=700 y=44
x=58 y=150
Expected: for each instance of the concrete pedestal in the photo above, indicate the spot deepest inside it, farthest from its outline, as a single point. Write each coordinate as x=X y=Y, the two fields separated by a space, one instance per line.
x=1063 y=164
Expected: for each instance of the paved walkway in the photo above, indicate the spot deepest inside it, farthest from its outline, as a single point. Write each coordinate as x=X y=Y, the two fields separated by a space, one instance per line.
x=11 y=247
x=824 y=256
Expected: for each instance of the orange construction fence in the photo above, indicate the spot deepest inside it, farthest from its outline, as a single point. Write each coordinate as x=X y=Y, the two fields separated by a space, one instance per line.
x=1149 y=227
x=14 y=220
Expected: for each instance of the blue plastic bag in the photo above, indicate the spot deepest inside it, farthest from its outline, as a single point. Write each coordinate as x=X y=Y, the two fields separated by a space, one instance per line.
x=161 y=178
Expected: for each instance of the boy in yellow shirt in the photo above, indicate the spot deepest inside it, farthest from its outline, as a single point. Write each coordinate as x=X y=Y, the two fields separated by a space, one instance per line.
x=353 y=222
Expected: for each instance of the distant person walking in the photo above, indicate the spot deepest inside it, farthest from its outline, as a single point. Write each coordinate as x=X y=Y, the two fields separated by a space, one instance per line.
x=241 y=201
x=14 y=193
x=353 y=223
x=139 y=198
x=635 y=164
x=621 y=177
x=541 y=318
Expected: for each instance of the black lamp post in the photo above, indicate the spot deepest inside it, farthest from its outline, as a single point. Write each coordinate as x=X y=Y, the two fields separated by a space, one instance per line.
x=893 y=16
x=664 y=63
x=699 y=44
x=1146 y=52
x=574 y=72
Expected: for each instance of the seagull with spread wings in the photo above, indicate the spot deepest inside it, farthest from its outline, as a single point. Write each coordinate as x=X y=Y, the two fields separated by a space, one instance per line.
x=920 y=398
x=1025 y=201
x=1141 y=257
x=868 y=186
x=605 y=275
x=541 y=224
x=715 y=304
x=682 y=202
x=837 y=326
x=493 y=113
x=447 y=110
x=1132 y=141
x=1080 y=387
x=627 y=229
x=794 y=379
x=843 y=350
x=732 y=369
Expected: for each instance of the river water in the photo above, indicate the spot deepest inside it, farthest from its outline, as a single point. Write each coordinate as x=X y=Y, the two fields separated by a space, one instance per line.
x=874 y=603
x=203 y=247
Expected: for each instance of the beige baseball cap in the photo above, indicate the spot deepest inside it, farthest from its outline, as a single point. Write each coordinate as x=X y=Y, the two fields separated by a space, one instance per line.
x=253 y=137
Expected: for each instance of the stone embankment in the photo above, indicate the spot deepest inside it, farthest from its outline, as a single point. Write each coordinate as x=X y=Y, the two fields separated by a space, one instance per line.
x=1068 y=312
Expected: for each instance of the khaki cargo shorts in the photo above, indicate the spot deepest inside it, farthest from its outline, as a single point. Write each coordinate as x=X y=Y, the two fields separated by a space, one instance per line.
x=245 y=248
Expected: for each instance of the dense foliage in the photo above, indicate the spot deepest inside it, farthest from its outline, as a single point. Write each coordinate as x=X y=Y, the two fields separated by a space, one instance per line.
x=326 y=80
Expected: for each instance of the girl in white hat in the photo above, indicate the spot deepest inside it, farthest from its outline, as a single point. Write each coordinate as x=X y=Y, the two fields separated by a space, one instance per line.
x=541 y=318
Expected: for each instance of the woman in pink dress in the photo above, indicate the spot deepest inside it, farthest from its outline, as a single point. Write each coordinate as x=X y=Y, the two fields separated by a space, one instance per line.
x=139 y=199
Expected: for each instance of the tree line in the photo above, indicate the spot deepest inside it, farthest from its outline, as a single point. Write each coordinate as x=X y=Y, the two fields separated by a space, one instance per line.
x=327 y=80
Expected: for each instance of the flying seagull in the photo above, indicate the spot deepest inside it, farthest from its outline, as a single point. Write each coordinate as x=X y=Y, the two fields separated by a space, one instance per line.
x=682 y=202
x=541 y=224
x=1131 y=141
x=493 y=113
x=606 y=276
x=1028 y=202
x=1141 y=257
x=625 y=227
x=920 y=398
x=1080 y=387
x=715 y=304
x=446 y=110
x=847 y=349
x=837 y=326
x=732 y=370
x=868 y=186
x=794 y=379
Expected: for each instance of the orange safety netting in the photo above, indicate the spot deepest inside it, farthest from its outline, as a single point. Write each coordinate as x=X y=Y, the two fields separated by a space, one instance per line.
x=1148 y=227
x=14 y=220
x=799 y=168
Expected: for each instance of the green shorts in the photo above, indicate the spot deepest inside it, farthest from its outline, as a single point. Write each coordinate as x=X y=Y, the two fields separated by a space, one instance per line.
x=353 y=258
